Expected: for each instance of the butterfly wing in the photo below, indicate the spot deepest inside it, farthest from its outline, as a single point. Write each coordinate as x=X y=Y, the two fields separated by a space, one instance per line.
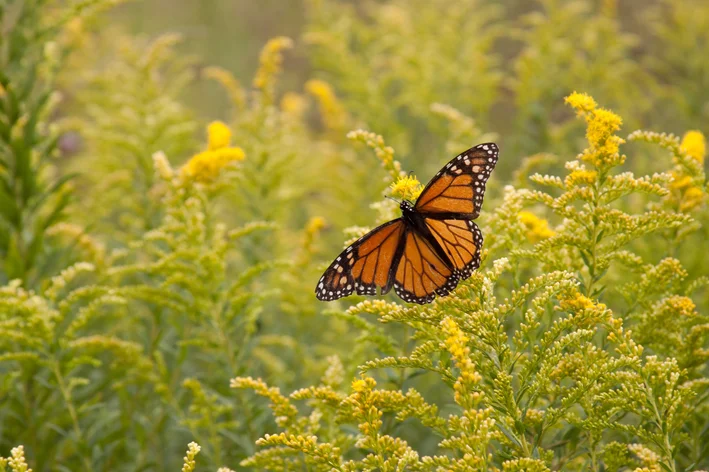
x=461 y=240
x=365 y=265
x=422 y=273
x=458 y=189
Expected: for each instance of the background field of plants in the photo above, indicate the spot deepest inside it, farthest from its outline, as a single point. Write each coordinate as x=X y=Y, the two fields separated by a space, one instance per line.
x=176 y=175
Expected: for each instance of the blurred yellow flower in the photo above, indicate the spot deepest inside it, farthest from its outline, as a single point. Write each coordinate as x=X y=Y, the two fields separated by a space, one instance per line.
x=293 y=104
x=218 y=135
x=315 y=224
x=75 y=34
x=206 y=165
x=333 y=114
x=680 y=182
x=537 y=228
x=406 y=188
x=270 y=62
x=229 y=83
x=695 y=145
x=691 y=199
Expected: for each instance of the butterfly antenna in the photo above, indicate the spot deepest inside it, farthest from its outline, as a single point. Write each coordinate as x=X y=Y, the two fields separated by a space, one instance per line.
x=392 y=199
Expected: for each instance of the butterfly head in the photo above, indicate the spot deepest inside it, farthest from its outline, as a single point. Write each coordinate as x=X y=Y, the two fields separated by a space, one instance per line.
x=406 y=206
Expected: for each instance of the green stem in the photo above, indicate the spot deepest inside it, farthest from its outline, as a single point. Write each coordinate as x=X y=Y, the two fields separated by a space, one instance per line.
x=660 y=422
x=66 y=394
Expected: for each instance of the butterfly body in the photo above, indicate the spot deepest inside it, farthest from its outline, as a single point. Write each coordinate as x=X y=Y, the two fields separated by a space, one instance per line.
x=430 y=248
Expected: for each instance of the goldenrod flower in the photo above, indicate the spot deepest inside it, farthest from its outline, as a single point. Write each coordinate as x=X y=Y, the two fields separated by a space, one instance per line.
x=683 y=306
x=456 y=342
x=362 y=385
x=600 y=131
x=293 y=104
x=230 y=84
x=315 y=224
x=75 y=33
x=680 y=182
x=581 y=176
x=270 y=62
x=579 y=303
x=206 y=166
x=692 y=198
x=383 y=152
x=17 y=460
x=218 y=135
x=189 y=459
x=333 y=114
x=406 y=188
x=581 y=102
x=537 y=228
x=694 y=144
x=601 y=126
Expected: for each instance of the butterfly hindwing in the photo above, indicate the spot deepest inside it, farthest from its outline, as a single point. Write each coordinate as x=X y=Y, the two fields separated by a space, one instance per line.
x=422 y=273
x=459 y=188
x=461 y=240
x=363 y=266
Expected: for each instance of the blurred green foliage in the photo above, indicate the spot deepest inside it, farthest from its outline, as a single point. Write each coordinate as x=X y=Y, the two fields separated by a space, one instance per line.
x=176 y=176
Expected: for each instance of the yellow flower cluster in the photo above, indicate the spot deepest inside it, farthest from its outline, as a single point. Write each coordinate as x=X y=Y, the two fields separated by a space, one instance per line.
x=580 y=176
x=17 y=460
x=692 y=198
x=537 y=228
x=206 y=166
x=227 y=80
x=683 y=306
x=365 y=400
x=383 y=152
x=457 y=344
x=649 y=459
x=270 y=62
x=582 y=103
x=332 y=111
x=189 y=462
x=406 y=188
x=688 y=196
x=293 y=104
x=601 y=125
x=324 y=454
x=695 y=145
x=579 y=303
x=281 y=405
x=315 y=224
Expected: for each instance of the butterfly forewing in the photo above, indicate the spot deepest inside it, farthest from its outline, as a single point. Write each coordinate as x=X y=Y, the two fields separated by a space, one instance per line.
x=363 y=266
x=458 y=189
x=421 y=273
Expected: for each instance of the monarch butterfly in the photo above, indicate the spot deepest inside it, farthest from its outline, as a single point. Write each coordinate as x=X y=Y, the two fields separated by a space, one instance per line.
x=430 y=248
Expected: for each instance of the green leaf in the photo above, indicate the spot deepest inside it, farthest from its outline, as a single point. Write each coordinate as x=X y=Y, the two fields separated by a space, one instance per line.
x=8 y=208
x=56 y=186
x=585 y=258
